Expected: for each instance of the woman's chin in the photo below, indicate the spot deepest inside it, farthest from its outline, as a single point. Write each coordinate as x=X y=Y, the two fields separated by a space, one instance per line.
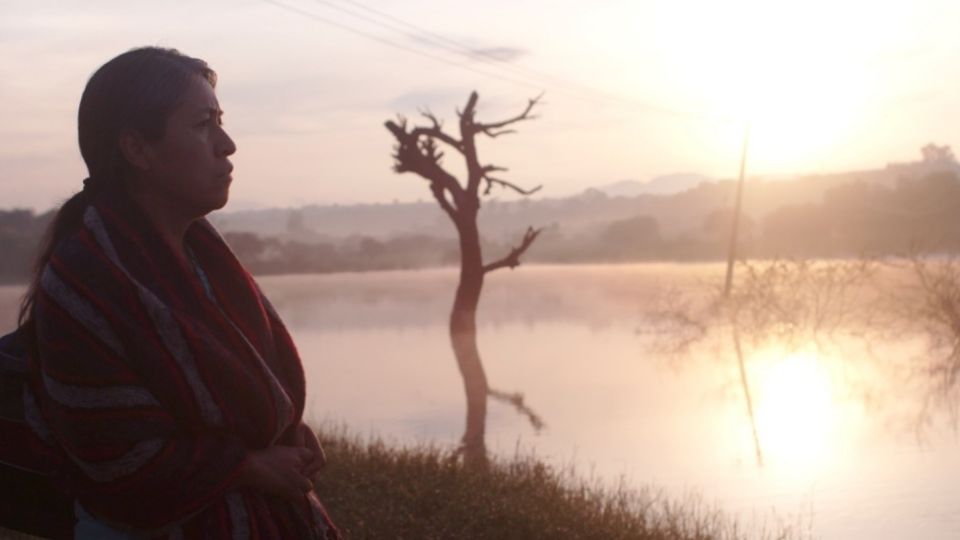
x=214 y=202
x=221 y=201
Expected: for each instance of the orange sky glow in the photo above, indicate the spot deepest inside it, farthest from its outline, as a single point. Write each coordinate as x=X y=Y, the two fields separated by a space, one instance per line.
x=632 y=89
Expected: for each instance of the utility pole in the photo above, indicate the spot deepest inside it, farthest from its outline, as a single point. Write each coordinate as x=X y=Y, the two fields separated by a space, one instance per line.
x=731 y=258
x=735 y=226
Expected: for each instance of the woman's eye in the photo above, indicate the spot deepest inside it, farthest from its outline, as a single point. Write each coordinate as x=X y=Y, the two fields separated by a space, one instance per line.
x=210 y=121
x=207 y=122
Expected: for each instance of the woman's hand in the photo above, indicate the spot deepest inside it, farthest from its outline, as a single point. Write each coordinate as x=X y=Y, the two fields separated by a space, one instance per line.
x=279 y=470
x=306 y=438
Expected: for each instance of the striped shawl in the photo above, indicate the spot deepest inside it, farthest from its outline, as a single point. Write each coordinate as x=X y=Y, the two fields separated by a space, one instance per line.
x=155 y=379
x=30 y=499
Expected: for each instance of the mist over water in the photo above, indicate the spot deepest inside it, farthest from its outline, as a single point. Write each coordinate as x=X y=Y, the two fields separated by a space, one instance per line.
x=847 y=443
x=840 y=426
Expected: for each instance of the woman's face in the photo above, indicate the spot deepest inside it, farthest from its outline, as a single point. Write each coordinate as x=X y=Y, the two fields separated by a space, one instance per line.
x=188 y=167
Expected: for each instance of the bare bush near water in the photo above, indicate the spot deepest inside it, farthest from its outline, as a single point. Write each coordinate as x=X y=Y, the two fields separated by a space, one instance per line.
x=789 y=302
x=925 y=302
x=835 y=307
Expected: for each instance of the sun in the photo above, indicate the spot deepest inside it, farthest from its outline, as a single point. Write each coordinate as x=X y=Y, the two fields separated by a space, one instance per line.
x=798 y=72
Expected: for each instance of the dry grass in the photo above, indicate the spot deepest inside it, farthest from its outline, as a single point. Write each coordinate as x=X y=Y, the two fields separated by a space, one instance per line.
x=373 y=490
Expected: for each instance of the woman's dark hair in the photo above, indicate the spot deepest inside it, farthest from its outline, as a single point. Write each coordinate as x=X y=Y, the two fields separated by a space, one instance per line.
x=136 y=91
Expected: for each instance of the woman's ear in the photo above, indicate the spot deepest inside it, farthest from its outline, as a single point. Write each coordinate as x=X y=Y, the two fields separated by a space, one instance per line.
x=135 y=150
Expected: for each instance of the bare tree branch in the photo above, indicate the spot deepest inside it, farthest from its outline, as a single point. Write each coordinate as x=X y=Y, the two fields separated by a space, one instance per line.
x=468 y=136
x=516 y=399
x=466 y=115
x=469 y=128
x=491 y=181
x=490 y=129
x=513 y=258
x=436 y=131
x=494 y=134
x=494 y=168
x=440 y=195
x=430 y=150
x=422 y=156
x=426 y=113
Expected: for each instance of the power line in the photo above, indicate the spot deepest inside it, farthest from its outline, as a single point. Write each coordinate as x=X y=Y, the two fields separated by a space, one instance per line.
x=417 y=32
x=577 y=89
x=426 y=36
x=460 y=48
x=393 y=44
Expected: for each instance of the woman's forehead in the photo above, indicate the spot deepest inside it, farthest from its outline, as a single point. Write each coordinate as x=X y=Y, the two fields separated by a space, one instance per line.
x=199 y=97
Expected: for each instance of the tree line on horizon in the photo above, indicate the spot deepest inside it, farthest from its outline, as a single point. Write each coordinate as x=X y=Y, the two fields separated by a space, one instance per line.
x=857 y=218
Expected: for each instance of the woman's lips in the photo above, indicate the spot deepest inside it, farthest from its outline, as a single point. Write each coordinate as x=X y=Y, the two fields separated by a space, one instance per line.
x=226 y=176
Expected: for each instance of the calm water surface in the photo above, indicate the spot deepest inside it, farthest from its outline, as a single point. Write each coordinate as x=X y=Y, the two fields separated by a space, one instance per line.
x=841 y=444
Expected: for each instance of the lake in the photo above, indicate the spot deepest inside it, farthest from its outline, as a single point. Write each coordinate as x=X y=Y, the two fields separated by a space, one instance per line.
x=847 y=444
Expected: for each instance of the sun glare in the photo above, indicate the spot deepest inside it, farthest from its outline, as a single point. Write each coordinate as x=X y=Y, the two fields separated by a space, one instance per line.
x=799 y=72
x=794 y=409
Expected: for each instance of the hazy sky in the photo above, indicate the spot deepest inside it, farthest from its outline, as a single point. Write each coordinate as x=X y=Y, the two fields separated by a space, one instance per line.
x=633 y=88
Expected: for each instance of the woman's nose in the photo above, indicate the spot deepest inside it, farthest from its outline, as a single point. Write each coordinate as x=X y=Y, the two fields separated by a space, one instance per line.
x=225 y=146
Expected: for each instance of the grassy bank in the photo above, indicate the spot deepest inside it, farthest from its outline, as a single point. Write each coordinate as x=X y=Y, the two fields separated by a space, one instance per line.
x=378 y=491
x=373 y=490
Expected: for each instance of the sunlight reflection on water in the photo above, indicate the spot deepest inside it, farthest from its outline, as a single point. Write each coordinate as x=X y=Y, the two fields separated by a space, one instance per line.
x=835 y=428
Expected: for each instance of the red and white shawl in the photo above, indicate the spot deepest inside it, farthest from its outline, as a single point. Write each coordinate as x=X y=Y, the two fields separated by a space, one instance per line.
x=156 y=383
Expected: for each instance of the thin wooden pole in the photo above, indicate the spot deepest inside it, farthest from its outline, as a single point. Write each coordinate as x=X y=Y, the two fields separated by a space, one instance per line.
x=735 y=226
x=731 y=258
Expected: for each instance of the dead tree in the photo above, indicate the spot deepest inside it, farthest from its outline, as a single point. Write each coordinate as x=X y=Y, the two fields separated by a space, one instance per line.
x=418 y=151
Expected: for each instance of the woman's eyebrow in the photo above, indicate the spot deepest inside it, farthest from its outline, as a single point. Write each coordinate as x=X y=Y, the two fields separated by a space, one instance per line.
x=212 y=111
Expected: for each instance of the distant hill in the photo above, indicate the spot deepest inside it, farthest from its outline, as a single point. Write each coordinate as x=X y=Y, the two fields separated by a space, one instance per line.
x=660 y=185
x=681 y=204
x=903 y=207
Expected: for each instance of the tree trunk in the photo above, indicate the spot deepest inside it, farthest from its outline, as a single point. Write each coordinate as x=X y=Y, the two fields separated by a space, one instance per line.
x=463 y=337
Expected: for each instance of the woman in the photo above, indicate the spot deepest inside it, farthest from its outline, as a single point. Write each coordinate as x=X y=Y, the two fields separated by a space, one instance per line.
x=159 y=371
